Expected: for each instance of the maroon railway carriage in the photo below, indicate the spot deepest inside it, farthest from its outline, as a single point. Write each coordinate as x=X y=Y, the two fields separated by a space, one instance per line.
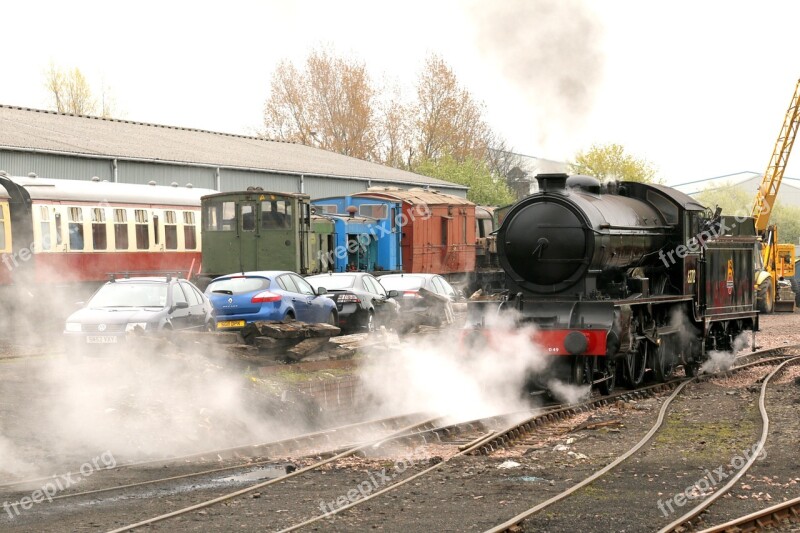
x=69 y=233
x=438 y=231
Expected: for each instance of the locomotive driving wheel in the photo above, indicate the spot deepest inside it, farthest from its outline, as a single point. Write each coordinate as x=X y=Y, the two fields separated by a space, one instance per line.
x=577 y=370
x=635 y=364
x=659 y=362
x=609 y=368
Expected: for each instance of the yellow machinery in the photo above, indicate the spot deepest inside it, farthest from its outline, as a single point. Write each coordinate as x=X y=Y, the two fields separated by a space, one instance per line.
x=775 y=282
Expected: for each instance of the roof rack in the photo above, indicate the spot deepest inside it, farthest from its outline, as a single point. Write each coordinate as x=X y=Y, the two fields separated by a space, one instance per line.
x=169 y=274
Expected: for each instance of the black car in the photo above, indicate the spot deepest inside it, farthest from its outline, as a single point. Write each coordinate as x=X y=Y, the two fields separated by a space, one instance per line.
x=425 y=299
x=123 y=305
x=362 y=302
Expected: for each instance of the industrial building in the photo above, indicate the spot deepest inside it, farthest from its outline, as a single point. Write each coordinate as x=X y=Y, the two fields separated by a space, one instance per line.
x=62 y=146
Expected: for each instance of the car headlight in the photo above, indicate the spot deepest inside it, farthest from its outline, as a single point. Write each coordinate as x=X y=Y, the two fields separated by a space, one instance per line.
x=133 y=325
x=73 y=326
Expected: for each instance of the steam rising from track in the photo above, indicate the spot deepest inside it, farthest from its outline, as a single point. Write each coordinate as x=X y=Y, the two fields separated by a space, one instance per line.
x=456 y=377
x=719 y=361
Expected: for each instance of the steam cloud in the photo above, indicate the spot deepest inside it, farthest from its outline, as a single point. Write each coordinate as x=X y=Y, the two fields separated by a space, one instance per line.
x=462 y=380
x=138 y=404
x=550 y=49
x=719 y=361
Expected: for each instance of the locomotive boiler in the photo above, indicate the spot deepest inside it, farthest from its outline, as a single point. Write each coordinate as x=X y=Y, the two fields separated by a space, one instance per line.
x=625 y=280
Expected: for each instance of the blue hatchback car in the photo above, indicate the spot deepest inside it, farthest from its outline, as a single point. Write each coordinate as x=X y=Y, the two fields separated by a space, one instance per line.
x=247 y=297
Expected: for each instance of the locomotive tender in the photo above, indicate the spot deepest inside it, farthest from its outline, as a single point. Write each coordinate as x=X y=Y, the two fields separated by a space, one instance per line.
x=625 y=278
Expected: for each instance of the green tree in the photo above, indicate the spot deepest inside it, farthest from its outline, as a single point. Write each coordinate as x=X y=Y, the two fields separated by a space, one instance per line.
x=484 y=189
x=610 y=162
x=736 y=201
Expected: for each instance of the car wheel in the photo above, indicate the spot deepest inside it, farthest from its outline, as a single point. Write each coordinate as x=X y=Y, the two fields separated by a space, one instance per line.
x=289 y=317
x=210 y=326
x=332 y=320
x=370 y=325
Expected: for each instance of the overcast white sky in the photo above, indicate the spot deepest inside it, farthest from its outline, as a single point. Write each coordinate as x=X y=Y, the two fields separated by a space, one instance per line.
x=698 y=88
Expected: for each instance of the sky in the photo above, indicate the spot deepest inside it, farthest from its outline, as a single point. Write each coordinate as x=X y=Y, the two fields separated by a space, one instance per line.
x=697 y=88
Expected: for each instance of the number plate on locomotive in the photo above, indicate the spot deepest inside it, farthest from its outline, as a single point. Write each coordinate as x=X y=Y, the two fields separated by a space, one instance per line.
x=230 y=324
x=101 y=339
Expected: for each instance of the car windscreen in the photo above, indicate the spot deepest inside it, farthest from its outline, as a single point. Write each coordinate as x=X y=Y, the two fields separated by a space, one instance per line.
x=401 y=283
x=130 y=295
x=332 y=283
x=239 y=285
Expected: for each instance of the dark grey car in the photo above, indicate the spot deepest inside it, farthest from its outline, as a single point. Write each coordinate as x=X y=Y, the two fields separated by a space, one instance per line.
x=362 y=302
x=122 y=306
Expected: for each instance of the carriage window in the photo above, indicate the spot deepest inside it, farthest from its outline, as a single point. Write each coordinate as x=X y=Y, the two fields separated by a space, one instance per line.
x=444 y=231
x=170 y=231
x=248 y=217
x=464 y=229
x=189 y=231
x=373 y=210
x=326 y=209
x=59 y=238
x=2 y=228
x=75 y=228
x=99 y=231
x=276 y=214
x=220 y=216
x=44 y=226
x=121 y=229
x=142 y=230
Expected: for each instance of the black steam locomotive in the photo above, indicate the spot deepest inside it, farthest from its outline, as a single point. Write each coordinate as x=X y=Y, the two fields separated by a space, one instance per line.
x=625 y=278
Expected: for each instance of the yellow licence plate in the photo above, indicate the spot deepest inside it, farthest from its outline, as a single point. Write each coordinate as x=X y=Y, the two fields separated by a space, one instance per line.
x=230 y=324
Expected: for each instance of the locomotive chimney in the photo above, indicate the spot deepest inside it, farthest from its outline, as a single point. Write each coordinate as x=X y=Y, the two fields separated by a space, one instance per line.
x=551 y=182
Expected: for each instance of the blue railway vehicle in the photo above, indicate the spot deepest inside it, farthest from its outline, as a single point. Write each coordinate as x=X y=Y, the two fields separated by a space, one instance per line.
x=367 y=233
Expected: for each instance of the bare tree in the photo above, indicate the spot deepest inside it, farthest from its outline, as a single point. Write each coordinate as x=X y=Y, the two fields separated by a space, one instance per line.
x=71 y=93
x=330 y=104
x=396 y=139
x=449 y=120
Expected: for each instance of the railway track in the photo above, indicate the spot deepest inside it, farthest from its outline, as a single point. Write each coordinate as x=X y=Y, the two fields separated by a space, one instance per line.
x=491 y=442
x=489 y=438
x=772 y=517
x=678 y=524
x=330 y=437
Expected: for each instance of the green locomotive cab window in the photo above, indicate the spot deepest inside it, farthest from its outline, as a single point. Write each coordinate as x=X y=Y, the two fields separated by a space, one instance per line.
x=220 y=216
x=276 y=214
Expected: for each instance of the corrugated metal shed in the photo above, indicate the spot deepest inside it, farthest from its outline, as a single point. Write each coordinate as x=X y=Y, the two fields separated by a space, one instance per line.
x=57 y=145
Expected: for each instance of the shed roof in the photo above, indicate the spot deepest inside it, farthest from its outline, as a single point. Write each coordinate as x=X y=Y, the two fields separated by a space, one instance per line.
x=48 y=131
x=415 y=196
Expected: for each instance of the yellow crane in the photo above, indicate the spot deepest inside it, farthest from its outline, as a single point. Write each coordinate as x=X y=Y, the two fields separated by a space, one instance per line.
x=775 y=282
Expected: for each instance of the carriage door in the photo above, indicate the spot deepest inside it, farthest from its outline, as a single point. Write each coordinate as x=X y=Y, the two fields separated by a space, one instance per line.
x=248 y=236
